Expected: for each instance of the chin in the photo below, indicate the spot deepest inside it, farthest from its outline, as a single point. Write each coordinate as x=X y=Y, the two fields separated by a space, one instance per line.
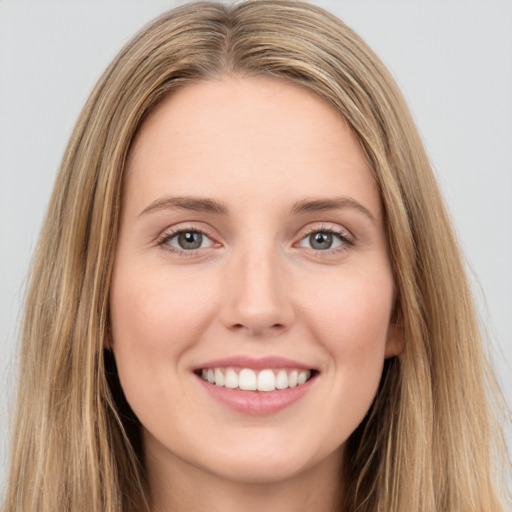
x=263 y=470
x=267 y=463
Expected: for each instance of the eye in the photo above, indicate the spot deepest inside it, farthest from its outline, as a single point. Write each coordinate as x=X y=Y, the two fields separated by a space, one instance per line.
x=185 y=240
x=324 y=240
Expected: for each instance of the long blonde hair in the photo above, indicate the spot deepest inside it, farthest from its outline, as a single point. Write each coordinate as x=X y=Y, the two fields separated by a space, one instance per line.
x=427 y=442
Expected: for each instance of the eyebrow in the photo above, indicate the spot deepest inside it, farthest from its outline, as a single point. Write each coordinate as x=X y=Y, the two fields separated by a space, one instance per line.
x=207 y=205
x=197 y=204
x=320 y=205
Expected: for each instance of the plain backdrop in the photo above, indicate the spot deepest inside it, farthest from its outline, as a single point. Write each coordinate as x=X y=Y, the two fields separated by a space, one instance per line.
x=452 y=59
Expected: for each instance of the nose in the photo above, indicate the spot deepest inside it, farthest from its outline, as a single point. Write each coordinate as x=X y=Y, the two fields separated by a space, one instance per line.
x=256 y=295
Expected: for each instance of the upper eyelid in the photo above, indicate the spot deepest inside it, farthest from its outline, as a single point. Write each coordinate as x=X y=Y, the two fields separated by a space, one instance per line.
x=173 y=231
x=329 y=227
x=168 y=235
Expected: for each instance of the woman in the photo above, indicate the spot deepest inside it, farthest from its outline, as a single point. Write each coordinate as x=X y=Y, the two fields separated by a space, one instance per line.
x=246 y=292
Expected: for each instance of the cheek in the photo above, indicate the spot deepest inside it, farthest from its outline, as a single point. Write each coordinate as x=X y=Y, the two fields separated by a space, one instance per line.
x=155 y=318
x=351 y=323
x=352 y=313
x=155 y=309
x=350 y=318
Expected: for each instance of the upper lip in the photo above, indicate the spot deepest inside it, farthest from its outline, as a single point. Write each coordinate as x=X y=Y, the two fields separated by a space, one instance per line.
x=255 y=363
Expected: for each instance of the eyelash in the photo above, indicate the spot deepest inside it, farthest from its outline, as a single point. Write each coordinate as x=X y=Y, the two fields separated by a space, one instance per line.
x=346 y=241
x=169 y=235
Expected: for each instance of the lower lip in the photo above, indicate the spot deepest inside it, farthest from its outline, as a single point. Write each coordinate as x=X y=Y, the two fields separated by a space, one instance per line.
x=256 y=402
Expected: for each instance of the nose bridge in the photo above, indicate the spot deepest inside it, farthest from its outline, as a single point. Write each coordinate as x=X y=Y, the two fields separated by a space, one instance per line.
x=256 y=293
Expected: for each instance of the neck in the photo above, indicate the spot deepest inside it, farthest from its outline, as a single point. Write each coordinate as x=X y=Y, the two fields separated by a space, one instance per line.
x=175 y=485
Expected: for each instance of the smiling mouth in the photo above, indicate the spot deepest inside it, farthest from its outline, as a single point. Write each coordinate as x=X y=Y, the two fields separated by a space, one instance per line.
x=247 y=379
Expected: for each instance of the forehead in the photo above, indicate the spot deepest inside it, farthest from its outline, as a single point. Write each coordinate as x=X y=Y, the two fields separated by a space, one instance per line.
x=238 y=137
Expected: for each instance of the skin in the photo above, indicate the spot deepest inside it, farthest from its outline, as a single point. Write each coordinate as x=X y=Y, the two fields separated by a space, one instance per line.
x=256 y=287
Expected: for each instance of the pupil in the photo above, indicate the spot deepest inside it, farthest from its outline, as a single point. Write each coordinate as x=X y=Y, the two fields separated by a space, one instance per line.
x=321 y=241
x=190 y=240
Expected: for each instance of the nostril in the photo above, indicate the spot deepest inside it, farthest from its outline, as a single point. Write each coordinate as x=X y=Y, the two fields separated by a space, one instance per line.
x=255 y=329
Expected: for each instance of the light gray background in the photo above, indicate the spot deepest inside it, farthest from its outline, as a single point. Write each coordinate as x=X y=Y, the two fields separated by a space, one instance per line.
x=452 y=59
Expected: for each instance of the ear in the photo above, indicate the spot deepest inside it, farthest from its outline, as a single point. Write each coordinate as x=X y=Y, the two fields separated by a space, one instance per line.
x=395 y=339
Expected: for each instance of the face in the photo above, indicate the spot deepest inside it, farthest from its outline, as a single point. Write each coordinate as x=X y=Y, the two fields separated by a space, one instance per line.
x=252 y=291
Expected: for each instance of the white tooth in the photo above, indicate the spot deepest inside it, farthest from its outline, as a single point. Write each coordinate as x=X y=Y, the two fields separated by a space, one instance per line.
x=292 y=378
x=303 y=376
x=282 y=380
x=219 y=377
x=266 y=381
x=247 y=380
x=211 y=376
x=231 y=379
x=204 y=374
